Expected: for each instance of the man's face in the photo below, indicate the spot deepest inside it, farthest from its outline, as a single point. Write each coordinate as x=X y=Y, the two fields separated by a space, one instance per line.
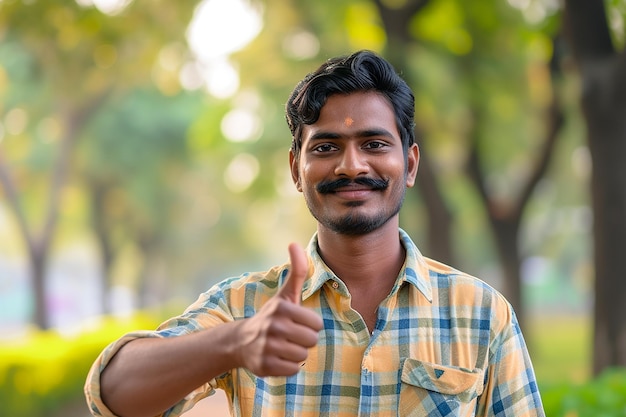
x=352 y=170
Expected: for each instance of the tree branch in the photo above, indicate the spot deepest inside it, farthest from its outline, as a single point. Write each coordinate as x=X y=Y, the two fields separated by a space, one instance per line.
x=474 y=165
x=76 y=123
x=586 y=24
x=396 y=21
x=14 y=202
x=554 y=122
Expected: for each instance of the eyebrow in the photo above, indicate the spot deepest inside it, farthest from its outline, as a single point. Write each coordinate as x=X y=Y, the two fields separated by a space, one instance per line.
x=365 y=133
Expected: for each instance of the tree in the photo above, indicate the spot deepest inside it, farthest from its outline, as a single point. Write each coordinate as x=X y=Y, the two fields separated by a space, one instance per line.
x=397 y=24
x=132 y=165
x=505 y=213
x=452 y=54
x=480 y=41
x=72 y=117
x=78 y=57
x=602 y=67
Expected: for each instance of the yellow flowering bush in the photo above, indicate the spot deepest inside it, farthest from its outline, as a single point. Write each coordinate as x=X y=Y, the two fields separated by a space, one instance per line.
x=43 y=370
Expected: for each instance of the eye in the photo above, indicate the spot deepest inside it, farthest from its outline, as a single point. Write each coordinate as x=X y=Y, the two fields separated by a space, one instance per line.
x=375 y=145
x=324 y=147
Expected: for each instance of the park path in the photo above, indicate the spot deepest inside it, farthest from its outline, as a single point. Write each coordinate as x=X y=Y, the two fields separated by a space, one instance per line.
x=213 y=406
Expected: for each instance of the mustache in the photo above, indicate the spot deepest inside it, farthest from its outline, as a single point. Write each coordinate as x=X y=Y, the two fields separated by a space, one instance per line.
x=329 y=186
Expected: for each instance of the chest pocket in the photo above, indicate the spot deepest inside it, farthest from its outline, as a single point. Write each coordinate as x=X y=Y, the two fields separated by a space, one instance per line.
x=436 y=390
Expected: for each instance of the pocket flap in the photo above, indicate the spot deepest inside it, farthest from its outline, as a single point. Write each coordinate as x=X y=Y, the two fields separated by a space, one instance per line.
x=445 y=379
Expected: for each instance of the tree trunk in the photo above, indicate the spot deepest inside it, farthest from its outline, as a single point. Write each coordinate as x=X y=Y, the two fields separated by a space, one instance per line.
x=38 y=263
x=603 y=102
x=439 y=234
x=505 y=217
x=608 y=191
x=98 y=192
x=38 y=244
x=147 y=286
x=506 y=234
x=606 y=133
x=439 y=231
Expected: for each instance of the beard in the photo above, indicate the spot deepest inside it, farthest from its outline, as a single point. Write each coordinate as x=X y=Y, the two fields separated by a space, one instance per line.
x=355 y=223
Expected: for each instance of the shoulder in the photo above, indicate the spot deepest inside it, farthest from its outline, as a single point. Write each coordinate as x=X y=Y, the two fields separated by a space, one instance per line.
x=231 y=299
x=461 y=291
x=264 y=280
x=249 y=287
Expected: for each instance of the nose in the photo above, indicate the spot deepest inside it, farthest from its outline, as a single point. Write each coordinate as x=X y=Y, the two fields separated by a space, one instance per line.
x=352 y=163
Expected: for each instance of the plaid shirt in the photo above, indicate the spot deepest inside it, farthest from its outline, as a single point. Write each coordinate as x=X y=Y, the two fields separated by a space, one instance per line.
x=445 y=344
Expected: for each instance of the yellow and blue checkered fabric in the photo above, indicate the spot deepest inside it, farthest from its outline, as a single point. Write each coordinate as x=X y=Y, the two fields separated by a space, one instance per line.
x=445 y=344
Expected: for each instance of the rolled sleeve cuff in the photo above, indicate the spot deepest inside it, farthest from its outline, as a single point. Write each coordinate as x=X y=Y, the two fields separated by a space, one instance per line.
x=92 y=385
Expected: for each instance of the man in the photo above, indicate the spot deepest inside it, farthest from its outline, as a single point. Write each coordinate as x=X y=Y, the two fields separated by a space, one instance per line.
x=361 y=324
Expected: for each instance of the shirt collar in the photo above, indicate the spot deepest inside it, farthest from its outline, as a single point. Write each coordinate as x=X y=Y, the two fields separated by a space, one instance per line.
x=414 y=271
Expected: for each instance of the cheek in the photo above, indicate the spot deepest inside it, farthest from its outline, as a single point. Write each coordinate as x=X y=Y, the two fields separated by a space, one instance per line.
x=311 y=173
x=397 y=170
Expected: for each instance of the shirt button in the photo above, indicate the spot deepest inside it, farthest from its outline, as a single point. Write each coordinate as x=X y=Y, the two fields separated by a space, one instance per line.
x=335 y=284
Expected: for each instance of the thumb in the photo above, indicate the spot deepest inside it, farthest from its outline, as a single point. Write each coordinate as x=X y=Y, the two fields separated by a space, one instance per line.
x=292 y=287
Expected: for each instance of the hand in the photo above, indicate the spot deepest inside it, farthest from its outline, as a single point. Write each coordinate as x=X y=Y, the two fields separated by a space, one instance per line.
x=275 y=341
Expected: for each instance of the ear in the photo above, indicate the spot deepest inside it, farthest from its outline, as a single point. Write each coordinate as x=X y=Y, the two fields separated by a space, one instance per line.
x=295 y=172
x=413 y=161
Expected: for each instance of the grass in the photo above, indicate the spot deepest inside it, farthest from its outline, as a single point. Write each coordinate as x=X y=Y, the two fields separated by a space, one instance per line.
x=560 y=348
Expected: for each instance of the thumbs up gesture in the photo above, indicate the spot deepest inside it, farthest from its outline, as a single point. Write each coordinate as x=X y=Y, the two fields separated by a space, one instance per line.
x=276 y=340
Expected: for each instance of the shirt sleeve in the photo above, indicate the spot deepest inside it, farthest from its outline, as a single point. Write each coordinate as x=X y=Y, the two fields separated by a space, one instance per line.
x=211 y=309
x=510 y=385
x=208 y=311
x=92 y=384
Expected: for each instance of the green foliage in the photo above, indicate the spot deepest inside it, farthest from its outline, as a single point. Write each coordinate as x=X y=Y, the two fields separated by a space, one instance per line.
x=478 y=69
x=616 y=10
x=137 y=139
x=77 y=45
x=604 y=396
x=42 y=372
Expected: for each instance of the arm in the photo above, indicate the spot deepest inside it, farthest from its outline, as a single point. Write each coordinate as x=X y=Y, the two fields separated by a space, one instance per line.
x=149 y=375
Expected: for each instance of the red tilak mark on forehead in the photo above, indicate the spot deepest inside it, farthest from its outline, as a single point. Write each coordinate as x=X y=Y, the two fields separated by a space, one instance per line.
x=348 y=121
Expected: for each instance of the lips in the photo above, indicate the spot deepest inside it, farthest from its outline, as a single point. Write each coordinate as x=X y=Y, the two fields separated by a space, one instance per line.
x=353 y=193
x=354 y=189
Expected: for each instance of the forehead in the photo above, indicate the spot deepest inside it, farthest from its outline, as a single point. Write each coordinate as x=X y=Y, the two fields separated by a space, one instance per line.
x=343 y=114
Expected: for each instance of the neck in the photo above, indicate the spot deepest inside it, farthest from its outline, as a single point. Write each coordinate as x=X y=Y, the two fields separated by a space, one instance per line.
x=374 y=259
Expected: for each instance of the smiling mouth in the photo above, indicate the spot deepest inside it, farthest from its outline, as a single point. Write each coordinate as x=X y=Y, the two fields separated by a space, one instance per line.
x=353 y=192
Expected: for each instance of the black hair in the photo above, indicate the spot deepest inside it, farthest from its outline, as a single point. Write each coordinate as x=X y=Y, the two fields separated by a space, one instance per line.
x=360 y=71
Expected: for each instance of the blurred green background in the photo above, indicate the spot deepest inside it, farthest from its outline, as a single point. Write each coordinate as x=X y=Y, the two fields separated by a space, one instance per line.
x=144 y=157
